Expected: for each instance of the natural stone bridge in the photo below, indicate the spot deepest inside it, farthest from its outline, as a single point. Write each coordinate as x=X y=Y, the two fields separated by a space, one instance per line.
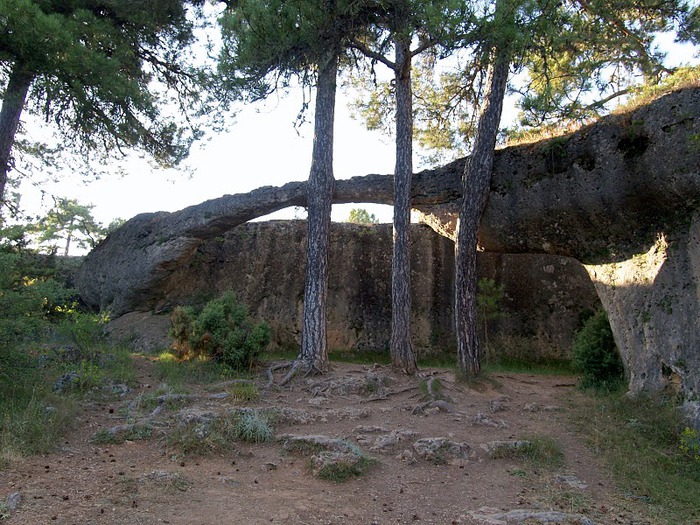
x=621 y=196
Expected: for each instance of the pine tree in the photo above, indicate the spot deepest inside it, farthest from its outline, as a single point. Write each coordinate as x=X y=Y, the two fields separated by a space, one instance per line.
x=564 y=46
x=429 y=24
x=267 y=43
x=71 y=223
x=91 y=67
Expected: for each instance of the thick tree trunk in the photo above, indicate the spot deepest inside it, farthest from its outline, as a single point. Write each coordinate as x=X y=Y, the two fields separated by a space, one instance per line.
x=402 y=356
x=12 y=106
x=476 y=183
x=314 y=346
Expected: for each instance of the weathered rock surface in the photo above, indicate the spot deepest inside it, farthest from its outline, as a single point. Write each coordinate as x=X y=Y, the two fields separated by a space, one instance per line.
x=653 y=301
x=601 y=195
x=592 y=195
x=514 y=517
x=263 y=263
x=442 y=451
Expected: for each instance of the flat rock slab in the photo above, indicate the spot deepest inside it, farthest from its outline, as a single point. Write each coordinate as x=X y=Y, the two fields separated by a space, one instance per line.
x=487 y=516
x=441 y=450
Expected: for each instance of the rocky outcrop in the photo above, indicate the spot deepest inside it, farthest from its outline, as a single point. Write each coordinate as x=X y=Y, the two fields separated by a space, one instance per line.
x=263 y=263
x=602 y=195
x=596 y=195
x=653 y=302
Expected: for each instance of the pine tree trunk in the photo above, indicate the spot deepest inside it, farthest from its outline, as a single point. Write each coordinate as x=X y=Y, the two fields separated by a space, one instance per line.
x=314 y=345
x=476 y=183
x=402 y=356
x=12 y=106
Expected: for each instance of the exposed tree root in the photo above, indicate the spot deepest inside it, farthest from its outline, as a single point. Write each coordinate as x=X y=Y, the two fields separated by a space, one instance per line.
x=144 y=422
x=270 y=372
x=433 y=399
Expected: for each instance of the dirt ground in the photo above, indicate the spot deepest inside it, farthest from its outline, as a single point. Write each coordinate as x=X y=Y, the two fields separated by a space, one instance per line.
x=147 y=481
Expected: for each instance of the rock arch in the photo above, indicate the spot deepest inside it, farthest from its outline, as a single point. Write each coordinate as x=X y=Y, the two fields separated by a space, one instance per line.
x=620 y=195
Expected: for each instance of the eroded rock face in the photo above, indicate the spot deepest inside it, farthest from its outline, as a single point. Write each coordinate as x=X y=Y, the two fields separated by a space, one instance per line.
x=595 y=195
x=653 y=301
x=263 y=263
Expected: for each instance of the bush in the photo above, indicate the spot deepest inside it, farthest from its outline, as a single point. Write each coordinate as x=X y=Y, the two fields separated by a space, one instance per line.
x=595 y=355
x=221 y=330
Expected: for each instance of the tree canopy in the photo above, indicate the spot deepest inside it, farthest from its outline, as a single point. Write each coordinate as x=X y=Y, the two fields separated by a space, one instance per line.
x=111 y=75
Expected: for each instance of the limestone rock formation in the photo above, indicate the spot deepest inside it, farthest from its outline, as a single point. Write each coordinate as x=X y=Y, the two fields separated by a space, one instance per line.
x=602 y=195
x=263 y=264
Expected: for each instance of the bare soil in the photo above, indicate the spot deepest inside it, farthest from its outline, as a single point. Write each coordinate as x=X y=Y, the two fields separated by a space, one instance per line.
x=148 y=481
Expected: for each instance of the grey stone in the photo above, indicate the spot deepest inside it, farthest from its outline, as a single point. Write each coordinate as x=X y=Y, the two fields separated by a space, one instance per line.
x=13 y=501
x=441 y=450
x=488 y=516
x=483 y=420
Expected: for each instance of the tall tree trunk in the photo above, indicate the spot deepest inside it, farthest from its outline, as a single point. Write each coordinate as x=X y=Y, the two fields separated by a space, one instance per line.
x=69 y=236
x=314 y=345
x=476 y=183
x=12 y=106
x=402 y=356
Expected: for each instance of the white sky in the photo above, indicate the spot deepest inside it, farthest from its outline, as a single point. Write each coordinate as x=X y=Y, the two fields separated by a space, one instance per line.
x=262 y=148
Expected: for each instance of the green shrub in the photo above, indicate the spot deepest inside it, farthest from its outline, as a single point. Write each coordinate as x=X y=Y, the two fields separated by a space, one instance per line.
x=253 y=427
x=595 y=355
x=690 y=443
x=221 y=330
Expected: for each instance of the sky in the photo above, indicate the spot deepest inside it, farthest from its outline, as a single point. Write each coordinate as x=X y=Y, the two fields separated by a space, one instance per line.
x=261 y=148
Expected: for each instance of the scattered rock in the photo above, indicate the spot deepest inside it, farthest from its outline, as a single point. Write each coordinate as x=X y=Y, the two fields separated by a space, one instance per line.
x=13 y=501
x=349 y=413
x=487 y=516
x=441 y=450
x=571 y=481
x=120 y=390
x=66 y=382
x=407 y=456
x=367 y=429
x=535 y=407
x=433 y=407
x=387 y=441
x=498 y=449
x=499 y=404
x=330 y=458
x=485 y=421
x=195 y=416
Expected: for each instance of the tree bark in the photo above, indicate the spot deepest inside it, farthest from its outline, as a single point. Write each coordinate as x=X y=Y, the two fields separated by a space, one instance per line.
x=402 y=355
x=476 y=183
x=314 y=346
x=12 y=106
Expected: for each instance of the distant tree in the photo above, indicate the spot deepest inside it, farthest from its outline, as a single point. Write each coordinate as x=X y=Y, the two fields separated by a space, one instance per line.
x=361 y=216
x=67 y=224
x=102 y=71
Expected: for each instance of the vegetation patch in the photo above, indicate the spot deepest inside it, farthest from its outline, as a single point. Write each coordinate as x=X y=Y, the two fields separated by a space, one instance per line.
x=253 y=426
x=222 y=330
x=341 y=468
x=595 y=354
x=244 y=392
x=540 y=452
x=642 y=442
x=137 y=433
